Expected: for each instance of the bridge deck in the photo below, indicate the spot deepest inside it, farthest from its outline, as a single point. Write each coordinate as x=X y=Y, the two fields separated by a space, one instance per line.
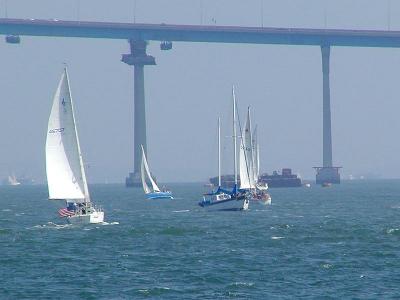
x=198 y=33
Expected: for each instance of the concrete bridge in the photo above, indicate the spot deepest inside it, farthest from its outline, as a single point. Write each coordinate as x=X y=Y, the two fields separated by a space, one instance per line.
x=138 y=34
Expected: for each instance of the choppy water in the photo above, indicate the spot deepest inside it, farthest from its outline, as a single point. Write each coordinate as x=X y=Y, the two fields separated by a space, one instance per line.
x=339 y=242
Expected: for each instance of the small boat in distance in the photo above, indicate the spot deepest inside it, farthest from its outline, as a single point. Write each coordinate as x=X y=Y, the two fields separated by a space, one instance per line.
x=65 y=171
x=156 y=193
x=11 y=180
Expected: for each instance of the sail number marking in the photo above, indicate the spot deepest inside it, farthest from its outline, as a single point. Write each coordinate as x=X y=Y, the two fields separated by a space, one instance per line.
x=57 y=130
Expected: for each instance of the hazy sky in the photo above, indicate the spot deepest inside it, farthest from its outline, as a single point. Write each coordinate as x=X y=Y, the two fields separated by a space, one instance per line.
x=190 y=87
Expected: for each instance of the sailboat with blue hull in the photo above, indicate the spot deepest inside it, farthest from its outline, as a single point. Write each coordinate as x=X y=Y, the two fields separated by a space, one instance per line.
x=154 y=192
x=223 y=199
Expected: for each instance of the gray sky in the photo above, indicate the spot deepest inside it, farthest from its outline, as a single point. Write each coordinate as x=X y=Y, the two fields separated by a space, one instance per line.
x=190 y=87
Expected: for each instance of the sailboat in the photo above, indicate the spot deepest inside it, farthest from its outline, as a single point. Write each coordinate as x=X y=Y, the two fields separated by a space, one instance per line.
x=249 y=166
x=155 y=192
x=256 y=163
x=223 y=199
x=64 y=164
x=11 y=180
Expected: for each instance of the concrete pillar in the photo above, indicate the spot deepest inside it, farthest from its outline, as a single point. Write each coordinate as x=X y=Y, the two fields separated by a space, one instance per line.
x=327 y=131
x=138 y=59
x=327 y=173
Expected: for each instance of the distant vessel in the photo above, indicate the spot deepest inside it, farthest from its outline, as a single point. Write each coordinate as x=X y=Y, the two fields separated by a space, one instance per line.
x=285 y=179
x=249 y=166
x=64 y=165
x=156 y=193
x=14 y=181
x=25 y=180
x=223 y=199
x=326 y=184
x=11 y=180
x=276 y=180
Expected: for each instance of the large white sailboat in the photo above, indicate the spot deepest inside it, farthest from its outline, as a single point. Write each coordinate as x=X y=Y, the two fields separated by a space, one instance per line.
x=155 y=192
x=249 y=166
x=64 y=164
x=246 y=161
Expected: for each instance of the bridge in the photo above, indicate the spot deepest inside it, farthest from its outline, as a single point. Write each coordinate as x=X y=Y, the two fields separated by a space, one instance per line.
x=201 y=33
x=137 y=35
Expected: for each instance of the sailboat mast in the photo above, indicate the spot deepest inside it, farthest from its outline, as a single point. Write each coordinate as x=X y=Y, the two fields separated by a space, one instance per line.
x=219 y=151
x=256 y=147
x=258 y=160
x=234 y=135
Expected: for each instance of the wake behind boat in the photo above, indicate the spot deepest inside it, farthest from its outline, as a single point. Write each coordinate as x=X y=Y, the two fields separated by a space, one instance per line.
x=155 y=193
x=64 y=164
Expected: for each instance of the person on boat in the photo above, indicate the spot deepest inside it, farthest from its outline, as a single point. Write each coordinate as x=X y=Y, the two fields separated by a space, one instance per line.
x=71 y=206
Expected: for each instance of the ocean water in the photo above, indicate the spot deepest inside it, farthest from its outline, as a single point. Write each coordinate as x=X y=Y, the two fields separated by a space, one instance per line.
x=341 y=242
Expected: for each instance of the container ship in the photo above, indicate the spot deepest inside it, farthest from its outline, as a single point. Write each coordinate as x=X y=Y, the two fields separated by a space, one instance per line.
x=276 y=180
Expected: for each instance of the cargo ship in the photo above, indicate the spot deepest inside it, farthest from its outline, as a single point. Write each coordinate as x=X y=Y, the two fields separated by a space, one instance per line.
x=276 y=180
x=285 y=179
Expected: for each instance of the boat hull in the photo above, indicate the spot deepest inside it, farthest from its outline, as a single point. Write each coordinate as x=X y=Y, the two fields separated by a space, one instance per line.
x=160 y=195
x=90 y=218
x=226 y=205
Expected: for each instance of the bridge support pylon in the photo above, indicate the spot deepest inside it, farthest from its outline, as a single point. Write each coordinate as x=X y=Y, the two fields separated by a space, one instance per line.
x=327 y=174
x=138 y=58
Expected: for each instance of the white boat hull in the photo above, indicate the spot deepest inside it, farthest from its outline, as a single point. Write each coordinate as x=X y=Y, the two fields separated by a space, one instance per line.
x=90 y=218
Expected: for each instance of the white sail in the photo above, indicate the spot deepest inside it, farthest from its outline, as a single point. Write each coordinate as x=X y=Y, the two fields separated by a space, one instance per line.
x=64 y=166
x=258 y=161
x=243 y=169
x=256 y=156
x=146 y=167
x=248 y=143
x=143 y=174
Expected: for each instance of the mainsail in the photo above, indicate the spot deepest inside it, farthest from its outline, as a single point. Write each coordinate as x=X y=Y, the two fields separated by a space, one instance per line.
x=243 y=173
x=143 y=174
x=64 y=166
x=256 y=156
x=246 y=157
x=145 y=167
